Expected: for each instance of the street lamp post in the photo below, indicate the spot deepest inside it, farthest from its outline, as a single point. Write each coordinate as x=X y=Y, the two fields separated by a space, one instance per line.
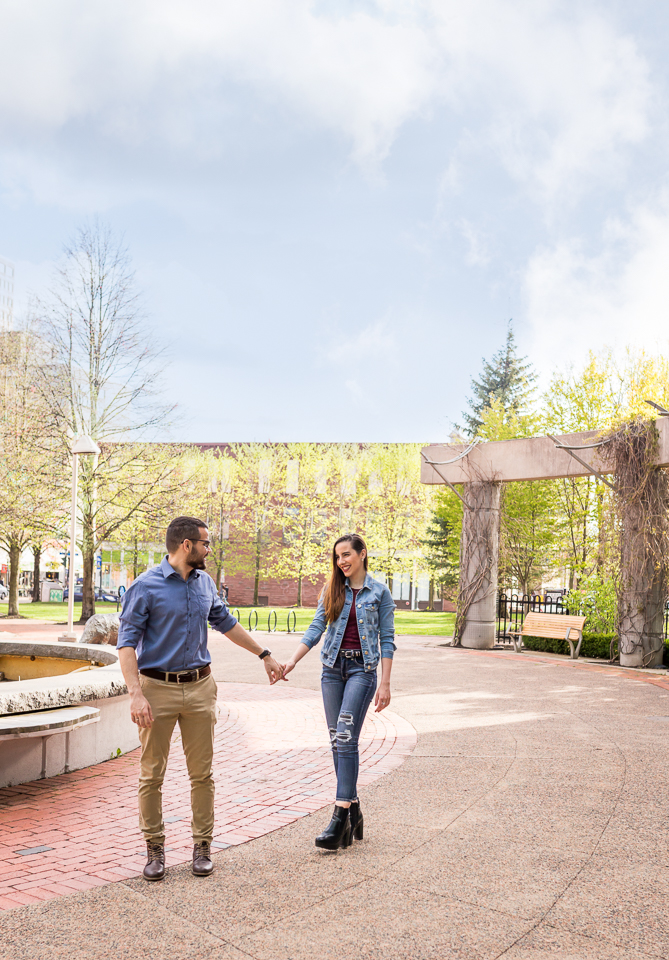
x=83 y=445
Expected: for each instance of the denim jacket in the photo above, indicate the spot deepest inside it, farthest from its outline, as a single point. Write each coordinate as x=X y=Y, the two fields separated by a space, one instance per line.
x=376 y=625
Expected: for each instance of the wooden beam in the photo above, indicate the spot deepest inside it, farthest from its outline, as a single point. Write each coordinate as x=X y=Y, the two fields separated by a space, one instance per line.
x=535 y=459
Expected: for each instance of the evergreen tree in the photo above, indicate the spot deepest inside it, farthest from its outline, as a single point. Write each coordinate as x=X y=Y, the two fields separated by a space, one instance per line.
x=441 y=545
x=507 y=378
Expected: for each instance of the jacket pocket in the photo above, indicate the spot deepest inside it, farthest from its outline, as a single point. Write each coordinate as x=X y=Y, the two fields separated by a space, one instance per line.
x=372 y=615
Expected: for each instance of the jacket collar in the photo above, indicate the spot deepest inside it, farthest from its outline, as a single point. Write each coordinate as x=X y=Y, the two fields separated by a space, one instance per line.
x=369 y=580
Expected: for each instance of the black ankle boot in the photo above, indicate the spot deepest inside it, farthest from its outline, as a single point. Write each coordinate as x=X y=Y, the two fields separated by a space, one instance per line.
x=357 y=822
x=338 y=831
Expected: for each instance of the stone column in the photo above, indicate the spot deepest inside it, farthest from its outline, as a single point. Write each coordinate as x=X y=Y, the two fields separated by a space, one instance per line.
x=643 y=587
x=479 y=553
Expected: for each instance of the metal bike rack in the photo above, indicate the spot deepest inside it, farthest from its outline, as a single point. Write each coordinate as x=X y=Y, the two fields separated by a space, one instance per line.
x=291 y=613
x=255 y=624
x=270 y=628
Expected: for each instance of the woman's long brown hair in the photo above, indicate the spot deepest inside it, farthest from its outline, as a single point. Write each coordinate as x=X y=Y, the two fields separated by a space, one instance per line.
x=334 y=593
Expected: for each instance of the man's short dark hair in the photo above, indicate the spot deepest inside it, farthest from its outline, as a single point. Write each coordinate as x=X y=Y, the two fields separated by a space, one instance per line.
x=180 y=529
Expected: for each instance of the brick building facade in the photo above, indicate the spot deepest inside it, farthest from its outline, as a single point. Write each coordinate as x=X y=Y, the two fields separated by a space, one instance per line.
x=272 y=593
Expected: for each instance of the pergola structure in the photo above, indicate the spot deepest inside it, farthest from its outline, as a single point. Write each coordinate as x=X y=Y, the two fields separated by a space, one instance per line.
x=481 y=468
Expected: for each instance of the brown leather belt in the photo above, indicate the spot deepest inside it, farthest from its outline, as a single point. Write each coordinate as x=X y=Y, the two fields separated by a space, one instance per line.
x=183 y=676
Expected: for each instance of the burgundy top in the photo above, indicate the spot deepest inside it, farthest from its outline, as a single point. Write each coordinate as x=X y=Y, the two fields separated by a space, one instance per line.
x=351 y=639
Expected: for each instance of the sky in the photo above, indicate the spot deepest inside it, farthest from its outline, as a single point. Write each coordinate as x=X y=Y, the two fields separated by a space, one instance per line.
x=334 y=208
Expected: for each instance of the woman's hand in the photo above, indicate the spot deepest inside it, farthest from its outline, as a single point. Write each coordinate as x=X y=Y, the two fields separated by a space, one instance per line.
x=287 y=669
x=382 y=698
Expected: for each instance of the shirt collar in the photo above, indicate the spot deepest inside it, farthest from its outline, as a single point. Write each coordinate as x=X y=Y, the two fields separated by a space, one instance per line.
x=167 y=570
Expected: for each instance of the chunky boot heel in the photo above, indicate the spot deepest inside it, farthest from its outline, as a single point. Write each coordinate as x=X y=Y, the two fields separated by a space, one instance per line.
x=338 y=831
x=347 y=838
x=357 y=822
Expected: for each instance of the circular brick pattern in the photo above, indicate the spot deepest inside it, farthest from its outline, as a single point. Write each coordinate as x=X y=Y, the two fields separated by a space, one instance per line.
x=272 y=765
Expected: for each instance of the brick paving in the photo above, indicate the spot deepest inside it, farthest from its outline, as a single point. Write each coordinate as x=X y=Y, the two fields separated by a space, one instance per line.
x=272 y=766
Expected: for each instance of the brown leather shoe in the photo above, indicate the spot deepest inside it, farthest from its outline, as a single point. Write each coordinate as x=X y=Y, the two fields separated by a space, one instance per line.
x=155 y=863
x=202 y=865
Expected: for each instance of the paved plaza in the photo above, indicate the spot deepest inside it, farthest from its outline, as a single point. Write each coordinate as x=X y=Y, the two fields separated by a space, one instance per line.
x=515 y=806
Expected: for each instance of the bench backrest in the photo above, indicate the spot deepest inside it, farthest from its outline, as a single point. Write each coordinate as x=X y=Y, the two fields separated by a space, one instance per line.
x=552 y=625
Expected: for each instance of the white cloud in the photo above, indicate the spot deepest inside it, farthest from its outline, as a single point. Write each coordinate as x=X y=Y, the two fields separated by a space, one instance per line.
x=477 y=246
x=372 y=345
x=553 y=89
x=618 y=296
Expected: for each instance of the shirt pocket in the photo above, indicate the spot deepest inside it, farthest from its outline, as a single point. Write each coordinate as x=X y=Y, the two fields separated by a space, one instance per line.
x=204 y=605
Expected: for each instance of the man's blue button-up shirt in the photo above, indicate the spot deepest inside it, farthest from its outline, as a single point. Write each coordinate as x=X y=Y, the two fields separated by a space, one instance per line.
x=164 y=617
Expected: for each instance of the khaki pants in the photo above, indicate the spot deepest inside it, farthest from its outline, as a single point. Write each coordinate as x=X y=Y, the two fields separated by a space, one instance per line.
x=193 y=705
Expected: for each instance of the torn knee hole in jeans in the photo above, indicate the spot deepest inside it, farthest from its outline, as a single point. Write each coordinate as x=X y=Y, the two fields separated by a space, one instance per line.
x=344 y=736
x=333 y=735
x=346 y=719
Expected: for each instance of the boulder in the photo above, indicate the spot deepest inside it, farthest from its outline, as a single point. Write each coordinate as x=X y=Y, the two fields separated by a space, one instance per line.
x=101 y=628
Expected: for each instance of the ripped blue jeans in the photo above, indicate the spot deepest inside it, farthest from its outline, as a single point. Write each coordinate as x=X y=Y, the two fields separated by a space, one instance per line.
x=347 y=693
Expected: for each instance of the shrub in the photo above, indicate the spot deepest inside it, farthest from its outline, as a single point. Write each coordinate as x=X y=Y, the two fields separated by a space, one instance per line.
x=595 y=645
x=596 y=598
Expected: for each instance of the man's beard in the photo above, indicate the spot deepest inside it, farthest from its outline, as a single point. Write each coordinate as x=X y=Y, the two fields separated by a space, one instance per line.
x=197 y=564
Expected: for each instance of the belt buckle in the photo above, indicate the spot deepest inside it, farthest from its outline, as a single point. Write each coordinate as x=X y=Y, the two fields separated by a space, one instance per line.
x=184 y=673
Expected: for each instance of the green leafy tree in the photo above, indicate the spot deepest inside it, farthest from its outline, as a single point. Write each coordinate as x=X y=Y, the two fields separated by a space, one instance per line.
x=32 y=472
x=257 y=510
x=530 y=522
x=310 y=520
x=398 y=508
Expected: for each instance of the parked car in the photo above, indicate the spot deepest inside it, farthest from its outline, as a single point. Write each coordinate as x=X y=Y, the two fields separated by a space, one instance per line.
x=4 y=592
x=102 y=595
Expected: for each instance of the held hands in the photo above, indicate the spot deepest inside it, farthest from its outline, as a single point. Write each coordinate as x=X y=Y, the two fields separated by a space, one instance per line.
x=382 y=698
x=275 y=670
x=140 y=710
x=287 y=669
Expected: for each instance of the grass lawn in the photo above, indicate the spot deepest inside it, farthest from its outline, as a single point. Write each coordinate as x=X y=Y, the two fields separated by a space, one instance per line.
x=406 y=621
x=55 y=612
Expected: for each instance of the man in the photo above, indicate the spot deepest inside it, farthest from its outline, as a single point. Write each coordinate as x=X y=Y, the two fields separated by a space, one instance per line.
x=162 y=643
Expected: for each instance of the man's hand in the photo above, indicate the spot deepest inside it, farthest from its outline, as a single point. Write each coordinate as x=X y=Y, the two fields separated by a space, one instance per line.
x=274 y=669
x=140 y=710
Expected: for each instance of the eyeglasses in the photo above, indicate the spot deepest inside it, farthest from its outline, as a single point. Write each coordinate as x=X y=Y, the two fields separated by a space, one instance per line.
x=207 y=543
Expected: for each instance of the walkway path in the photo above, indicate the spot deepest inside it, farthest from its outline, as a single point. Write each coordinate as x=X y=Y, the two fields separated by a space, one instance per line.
x=272 y=765
x=530 y=822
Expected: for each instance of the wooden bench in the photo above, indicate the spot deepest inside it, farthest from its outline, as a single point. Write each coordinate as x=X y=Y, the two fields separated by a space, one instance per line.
x=552 y=626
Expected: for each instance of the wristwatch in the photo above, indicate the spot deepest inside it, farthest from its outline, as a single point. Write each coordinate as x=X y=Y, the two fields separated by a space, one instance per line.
x=265 y=653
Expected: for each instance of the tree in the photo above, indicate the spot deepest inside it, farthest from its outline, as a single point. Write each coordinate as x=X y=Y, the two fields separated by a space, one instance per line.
x=102 y=381
x=530 y=522
x=397 y=509
x=32 y=505
x=135 y=505
x=256 y=511
x=309 y=522
x=214 y=478
x=441 y=543
x=592 y=398
x=506 y=378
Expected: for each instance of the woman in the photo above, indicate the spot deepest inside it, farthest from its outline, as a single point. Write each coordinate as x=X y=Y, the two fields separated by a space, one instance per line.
x=356 y=613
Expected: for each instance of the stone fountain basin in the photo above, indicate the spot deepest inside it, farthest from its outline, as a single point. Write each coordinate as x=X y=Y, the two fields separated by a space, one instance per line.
x=55 y=676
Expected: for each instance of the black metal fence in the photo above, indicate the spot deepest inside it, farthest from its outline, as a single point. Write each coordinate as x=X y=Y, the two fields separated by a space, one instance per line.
x=512 y=609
